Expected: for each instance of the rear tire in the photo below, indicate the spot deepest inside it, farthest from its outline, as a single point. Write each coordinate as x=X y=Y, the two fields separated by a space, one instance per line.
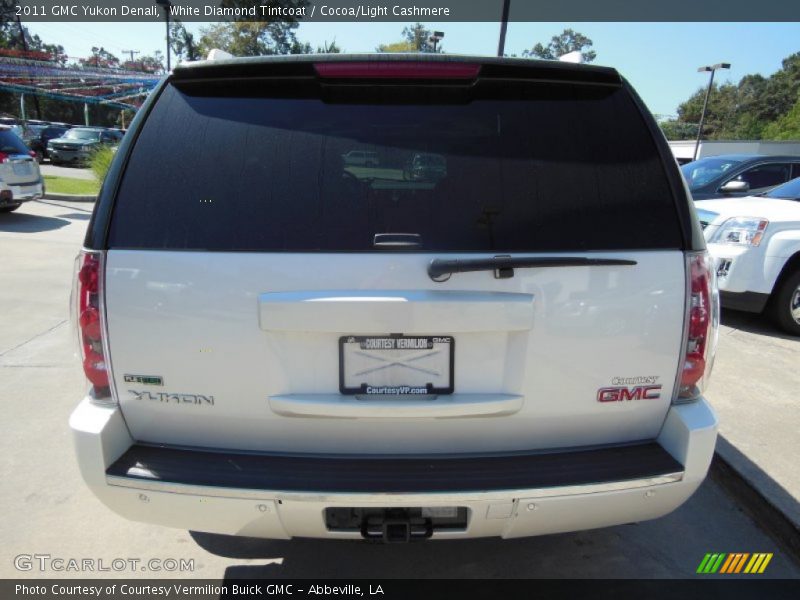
x=785 y=304
x=9 y=208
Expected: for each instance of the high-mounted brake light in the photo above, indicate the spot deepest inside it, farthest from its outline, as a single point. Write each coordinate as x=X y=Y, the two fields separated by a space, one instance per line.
x=86 y=304
x=702 y=316
x=397 y=70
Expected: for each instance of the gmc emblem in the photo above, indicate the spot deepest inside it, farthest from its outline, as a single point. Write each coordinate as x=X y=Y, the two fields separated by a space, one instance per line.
x=637 y=392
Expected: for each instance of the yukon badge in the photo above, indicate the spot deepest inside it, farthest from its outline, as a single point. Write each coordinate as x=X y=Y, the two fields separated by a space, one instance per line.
x=647 y=389
x=170 y=398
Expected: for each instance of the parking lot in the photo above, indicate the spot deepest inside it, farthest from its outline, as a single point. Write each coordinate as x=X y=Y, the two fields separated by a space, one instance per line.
x=50 y=511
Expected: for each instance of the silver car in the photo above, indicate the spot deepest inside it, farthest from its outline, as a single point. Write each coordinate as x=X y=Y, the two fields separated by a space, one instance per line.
x=20 y=178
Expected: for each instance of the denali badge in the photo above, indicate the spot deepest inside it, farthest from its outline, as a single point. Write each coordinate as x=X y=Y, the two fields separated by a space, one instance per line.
x=636 y=392
x=145 y=379
x=176 y=398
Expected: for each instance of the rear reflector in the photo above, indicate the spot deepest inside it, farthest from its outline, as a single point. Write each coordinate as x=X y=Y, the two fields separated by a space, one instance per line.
x=397 y=70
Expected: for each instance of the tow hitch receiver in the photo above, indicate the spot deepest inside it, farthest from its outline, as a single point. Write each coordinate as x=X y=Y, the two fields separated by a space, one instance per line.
x=396 y=528
x=395 y=525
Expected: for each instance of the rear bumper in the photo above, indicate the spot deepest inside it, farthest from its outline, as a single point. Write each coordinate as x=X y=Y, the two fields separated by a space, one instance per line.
x=286 y=496
x=21 y=192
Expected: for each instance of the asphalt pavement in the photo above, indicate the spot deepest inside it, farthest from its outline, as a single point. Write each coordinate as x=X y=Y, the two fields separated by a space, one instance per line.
x=47 y=510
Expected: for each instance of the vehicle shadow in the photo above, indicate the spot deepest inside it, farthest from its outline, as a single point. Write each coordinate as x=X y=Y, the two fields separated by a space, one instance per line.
x=759 y=324
x=451 y=559
x=77 y=216
x=22 y=223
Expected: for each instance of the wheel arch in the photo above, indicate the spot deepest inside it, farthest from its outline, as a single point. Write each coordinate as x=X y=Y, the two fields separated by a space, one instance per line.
x=791 y=265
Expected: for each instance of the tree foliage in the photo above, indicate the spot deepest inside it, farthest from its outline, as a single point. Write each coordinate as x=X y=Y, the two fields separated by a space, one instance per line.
x=182 y=42
x=567 y=41
x=786 y=127
x=100 y=59
x=416 y=38
x=756 y=108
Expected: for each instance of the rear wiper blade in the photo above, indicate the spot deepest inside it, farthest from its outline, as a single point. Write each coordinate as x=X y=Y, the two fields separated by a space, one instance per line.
x=440 y=269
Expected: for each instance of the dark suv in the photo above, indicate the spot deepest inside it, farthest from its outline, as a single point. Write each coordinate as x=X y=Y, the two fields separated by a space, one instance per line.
x=40 y=135
x=735 y=175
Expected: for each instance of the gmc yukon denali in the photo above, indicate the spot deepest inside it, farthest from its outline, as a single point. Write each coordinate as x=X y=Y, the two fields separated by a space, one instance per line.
x=283 y=343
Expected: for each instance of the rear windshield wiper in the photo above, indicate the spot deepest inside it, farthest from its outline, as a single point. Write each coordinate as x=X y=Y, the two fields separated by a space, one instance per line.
x=440 y=269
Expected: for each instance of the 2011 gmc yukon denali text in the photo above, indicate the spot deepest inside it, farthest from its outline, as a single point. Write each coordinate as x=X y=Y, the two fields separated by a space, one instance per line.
x=500 y=325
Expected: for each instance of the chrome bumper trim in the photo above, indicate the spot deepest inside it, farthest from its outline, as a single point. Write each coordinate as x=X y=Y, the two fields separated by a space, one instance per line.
x=393 y=498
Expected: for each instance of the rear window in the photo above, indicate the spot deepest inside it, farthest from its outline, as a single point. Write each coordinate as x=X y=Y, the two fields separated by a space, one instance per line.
x=11 y=144
x=514 y=168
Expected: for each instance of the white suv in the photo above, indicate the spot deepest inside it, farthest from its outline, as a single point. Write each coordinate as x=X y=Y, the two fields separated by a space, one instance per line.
x=755 y=242
x=280 y=345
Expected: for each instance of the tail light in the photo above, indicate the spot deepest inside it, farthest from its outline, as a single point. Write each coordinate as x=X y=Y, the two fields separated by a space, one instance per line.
x=3 y=157
x=701 y=327
x=88 y=316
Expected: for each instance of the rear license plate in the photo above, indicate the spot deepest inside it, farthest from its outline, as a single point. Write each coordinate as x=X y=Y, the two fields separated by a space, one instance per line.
x=21 y=168
x=396 y=365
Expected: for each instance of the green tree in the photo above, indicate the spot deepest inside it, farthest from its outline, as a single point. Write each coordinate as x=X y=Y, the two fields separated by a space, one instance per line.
x=677 y=130
x=404 y=46
x=255 y=38
x=182 y=42
x=327 y=48
x=9 y=38
x=252 y=38
x=755 y=108
x=786 y=127
x=567 y=41
x=148 y=64
x=100 y=58
x=416 y=38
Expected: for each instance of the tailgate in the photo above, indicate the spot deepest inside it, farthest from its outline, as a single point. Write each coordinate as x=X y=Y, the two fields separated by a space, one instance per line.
x=248 y=350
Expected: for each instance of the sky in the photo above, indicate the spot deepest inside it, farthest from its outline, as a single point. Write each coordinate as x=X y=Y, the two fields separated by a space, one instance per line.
x=659 y=59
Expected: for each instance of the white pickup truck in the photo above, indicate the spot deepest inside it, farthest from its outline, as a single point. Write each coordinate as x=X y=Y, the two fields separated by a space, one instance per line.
x=755 y=242
x=281 y=347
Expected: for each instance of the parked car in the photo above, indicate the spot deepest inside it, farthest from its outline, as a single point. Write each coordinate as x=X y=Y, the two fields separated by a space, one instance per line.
x=755 y=242
x=78 y=143
x=275 y=350
x=361 y=158
x=41 y=136
x=20 y=179
x=738 y=175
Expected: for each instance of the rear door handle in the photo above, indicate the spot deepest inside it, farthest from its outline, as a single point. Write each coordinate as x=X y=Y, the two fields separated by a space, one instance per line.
x=397 y=240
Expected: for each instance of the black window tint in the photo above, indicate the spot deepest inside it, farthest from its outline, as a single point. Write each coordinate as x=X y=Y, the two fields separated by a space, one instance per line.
x=541 y=167
x=795 y=170
x=11 y=144
x=765 y=175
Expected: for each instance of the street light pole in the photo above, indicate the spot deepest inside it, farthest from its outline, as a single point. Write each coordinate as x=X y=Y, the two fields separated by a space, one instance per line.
x=501 y=45
x=712 y=69
x=166 y=5
x=436 y=38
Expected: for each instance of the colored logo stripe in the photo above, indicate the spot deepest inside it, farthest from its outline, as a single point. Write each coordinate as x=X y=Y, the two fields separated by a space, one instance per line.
x=711 y=563
x=734 y=563
x=721 y=562
x=758 y=563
